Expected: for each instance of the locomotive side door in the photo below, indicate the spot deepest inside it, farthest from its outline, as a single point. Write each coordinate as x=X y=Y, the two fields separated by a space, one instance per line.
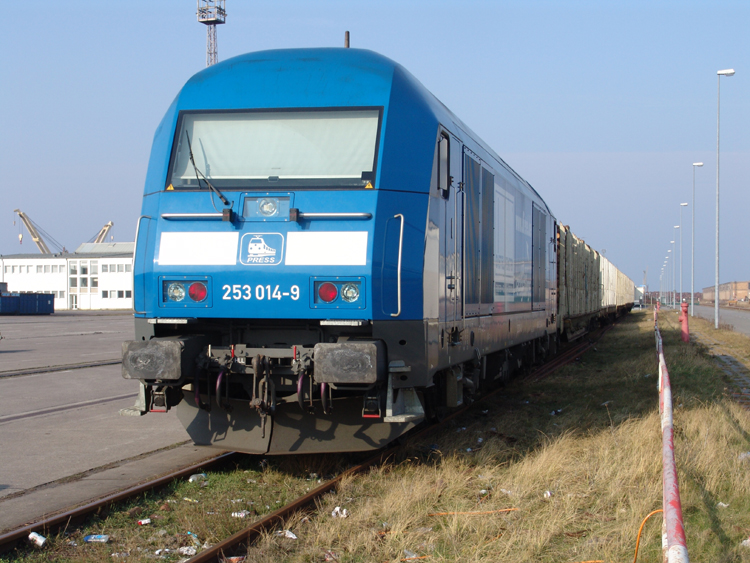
x=539 y=249
x=450 y=152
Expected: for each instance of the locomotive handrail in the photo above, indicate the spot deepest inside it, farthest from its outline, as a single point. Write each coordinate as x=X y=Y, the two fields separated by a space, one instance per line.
x=220 y=216
x=398 y=270
x=189 y=216
x=135 y=250
x=335 y=215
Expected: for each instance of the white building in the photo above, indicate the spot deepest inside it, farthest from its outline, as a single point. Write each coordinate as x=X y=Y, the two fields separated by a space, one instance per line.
x=95 y=276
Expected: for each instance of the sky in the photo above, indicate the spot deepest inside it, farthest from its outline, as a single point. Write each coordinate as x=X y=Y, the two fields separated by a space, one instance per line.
x=602 y=106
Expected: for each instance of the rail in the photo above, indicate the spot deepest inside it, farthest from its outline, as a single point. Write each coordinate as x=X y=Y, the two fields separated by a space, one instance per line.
x=673 y=530
x=52 y=524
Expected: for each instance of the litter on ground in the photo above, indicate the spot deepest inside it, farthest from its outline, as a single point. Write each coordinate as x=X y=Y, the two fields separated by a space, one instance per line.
x=37 y=539
x=338 y=512
x=96 y=538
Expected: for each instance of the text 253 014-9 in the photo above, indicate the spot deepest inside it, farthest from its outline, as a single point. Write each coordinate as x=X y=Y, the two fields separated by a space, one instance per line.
x=260 y=292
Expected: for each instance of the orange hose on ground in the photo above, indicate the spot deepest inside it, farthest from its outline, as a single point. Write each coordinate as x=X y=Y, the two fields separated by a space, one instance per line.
x=473 y=512
x=638 y=541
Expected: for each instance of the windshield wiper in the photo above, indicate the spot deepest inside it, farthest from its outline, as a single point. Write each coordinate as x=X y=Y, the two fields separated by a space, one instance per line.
x=199 y=174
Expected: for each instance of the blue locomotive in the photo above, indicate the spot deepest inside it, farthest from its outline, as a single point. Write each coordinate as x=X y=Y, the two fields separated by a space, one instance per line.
x=327 y=255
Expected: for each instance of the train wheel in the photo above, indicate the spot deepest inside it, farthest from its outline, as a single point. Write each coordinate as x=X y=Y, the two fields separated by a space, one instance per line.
x=434 y=403
x=553 y=344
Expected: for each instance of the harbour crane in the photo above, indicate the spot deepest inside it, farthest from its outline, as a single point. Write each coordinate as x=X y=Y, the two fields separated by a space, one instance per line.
x=35 y=236
x=102 y=236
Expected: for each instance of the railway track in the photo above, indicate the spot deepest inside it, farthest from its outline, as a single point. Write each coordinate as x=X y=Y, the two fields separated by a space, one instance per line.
x=248 y=535
x=567 y=355
x=76 y=515
x=62 y=367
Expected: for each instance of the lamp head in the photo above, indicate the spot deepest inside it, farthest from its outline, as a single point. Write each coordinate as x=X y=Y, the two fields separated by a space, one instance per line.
x=683 y=205
x=697 y=164
x=727 y=72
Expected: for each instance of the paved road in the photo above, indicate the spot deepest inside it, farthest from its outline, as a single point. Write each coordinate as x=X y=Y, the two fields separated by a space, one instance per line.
x=57 y=424
x=740 y=320
x=62 y=338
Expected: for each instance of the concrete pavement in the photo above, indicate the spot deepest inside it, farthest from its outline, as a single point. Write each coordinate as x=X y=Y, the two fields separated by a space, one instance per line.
x=739 y=319
x=58 y=425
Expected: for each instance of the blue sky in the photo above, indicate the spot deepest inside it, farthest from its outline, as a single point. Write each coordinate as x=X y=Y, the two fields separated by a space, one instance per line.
x=602 y=106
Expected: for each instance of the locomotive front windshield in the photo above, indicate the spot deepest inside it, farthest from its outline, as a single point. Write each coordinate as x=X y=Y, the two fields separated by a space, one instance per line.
x=268 y=149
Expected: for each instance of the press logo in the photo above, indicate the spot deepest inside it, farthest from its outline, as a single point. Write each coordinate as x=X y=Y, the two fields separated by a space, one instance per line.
x=261 y=249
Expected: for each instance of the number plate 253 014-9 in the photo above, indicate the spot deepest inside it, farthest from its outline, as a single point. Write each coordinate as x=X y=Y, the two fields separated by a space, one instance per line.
x=247 y=292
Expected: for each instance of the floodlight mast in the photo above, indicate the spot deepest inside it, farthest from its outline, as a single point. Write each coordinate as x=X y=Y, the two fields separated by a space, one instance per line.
x=212 y=13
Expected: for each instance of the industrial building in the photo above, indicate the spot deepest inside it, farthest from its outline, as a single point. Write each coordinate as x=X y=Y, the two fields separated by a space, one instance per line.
x=730 y=291
x=96 y=276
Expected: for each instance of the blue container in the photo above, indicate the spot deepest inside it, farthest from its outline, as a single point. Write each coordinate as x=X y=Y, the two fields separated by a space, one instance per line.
x=9 y=304
x=27 y=304
x=45 y=304
x=31 y=304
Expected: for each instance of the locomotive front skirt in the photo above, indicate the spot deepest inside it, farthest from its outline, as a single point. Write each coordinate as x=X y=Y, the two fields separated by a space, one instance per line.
x=326 y=256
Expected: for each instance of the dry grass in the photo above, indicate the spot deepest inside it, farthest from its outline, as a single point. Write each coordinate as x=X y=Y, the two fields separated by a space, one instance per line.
x=600 y=462
x=599 y=458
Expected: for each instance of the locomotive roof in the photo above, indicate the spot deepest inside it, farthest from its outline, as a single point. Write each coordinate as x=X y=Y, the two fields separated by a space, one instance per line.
x=325 y=78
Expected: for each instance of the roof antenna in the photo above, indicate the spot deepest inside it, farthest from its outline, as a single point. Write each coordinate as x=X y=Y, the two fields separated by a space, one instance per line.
x=346 y=39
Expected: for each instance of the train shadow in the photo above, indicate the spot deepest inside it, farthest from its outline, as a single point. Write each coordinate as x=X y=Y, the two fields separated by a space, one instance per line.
x=613 y=383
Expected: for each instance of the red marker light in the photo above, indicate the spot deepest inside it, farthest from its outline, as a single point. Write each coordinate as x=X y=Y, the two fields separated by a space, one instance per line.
x=327 y=292
x=197 y=291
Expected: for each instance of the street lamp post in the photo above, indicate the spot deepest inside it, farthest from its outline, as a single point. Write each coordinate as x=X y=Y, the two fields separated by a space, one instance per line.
x=674 y=271
x=681 y=206
x=692 y=249
x=662 y=277
x=719 y=74
x=670 y=275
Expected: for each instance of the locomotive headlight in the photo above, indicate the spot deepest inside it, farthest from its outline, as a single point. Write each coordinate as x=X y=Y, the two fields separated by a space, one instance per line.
x=176 y=291
x=268 y=206
x=349 y=292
